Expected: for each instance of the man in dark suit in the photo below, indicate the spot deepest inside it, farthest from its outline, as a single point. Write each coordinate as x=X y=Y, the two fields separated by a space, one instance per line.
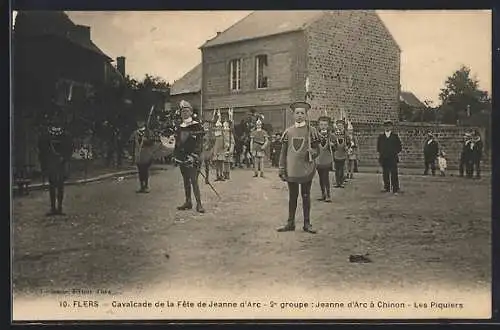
x=476 y=153
x=431 y=150
x=388 y=148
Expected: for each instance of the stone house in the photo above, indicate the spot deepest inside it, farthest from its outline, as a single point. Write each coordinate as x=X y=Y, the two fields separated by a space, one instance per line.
x=55 y=65
x=262 y=62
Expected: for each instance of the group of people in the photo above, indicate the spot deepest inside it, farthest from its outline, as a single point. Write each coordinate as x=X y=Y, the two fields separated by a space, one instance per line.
x=470 y=155
x=304 y=150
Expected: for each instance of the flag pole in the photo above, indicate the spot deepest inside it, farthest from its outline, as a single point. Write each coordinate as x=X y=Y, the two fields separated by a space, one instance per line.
x=308 y=122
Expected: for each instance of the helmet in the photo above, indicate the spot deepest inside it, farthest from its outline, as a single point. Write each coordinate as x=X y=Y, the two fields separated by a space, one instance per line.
x=185 y=104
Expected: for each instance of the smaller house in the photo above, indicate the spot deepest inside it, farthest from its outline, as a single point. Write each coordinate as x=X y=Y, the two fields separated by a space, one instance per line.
x=188 y=88
x=411 y=109
x=411 y=100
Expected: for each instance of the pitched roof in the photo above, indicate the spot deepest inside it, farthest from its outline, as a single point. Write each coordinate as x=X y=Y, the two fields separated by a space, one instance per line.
x=264 y=23
x=410 y=99
x=189 y=83
x=56 y=23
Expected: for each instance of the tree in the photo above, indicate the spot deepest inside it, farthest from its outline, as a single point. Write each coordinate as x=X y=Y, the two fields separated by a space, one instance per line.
x=461 y=97
x=151 y=90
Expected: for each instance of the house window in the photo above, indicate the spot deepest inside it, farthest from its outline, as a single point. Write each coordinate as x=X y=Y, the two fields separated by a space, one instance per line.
x=235 y=75
x=260 y=76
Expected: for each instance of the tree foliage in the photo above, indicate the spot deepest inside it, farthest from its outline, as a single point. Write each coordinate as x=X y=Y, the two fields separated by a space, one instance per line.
x=461 y=97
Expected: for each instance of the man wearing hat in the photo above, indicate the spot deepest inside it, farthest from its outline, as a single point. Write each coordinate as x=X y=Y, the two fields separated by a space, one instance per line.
x=388 y=148
x=465 y=154
x=431 y=150
x=55 y=147
x=297 y=164
x=477 y=153
x=187 y=153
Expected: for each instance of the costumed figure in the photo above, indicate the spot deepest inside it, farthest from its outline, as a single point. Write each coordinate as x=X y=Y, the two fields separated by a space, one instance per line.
x=275 y=149
x=187 y=155
x=352 y=152
x=324 y=162
x=259 y=140
x=465 y=154
x=208 y=146
x=143 y=153
x=228 y=139
x=55 y=147
x=297 y=164
x=218 y=151
x=339 y=158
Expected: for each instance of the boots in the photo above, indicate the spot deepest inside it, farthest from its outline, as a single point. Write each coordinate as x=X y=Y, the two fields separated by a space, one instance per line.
x=306 y=208
x=141 y=189
x=290 y=226
x=53 y=210
x=199 y=208
x=59 y=202
x=188 y=205
x=308 y=227
x=328 y=198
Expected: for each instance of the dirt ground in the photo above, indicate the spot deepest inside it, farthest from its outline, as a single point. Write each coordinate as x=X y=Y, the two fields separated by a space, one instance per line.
x=436 y=232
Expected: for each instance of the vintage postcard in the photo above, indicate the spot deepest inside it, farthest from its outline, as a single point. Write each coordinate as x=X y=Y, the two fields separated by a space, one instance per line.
x=324 y=164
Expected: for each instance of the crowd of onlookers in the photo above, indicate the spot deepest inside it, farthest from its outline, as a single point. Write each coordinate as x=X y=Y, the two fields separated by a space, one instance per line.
x=470 y=156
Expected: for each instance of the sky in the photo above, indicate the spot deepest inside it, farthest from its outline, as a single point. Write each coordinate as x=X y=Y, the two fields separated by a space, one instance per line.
x=434 y=43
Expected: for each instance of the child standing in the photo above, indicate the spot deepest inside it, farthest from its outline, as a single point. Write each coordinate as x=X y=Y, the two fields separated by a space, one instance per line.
x=228 y=138
x=325 y=158
x=208 y=144
x=339 y=158
x=219 y=154
x=297 y=164
x=442 y=163
x=352 y=148
x=258 y=144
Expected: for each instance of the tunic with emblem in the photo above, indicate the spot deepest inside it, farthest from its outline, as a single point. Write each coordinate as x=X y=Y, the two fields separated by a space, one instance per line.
x=324 y=160
x=294 y=157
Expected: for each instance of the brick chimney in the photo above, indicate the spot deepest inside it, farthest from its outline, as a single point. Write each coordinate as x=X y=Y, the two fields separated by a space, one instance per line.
x=120 y=65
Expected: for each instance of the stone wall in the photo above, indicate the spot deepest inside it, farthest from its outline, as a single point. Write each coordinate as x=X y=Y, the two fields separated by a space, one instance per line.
x=353 y=66
x=412 y=137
